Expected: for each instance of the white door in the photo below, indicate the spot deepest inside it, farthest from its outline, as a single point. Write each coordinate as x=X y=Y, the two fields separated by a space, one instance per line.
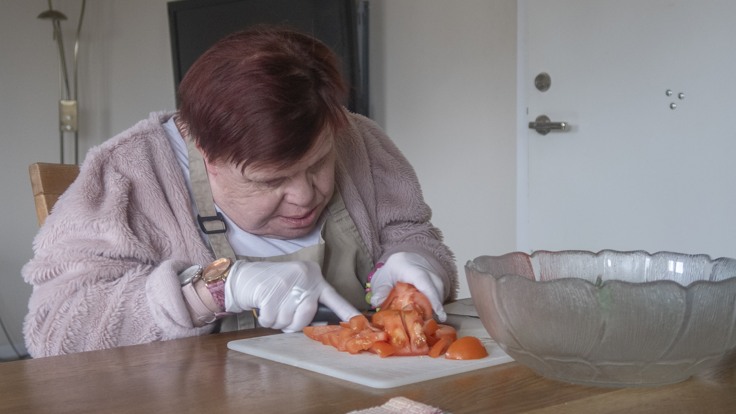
x=648 y=89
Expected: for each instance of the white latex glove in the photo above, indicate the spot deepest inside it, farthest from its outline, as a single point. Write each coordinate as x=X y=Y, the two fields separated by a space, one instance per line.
x=408 y=268
x=286 y=294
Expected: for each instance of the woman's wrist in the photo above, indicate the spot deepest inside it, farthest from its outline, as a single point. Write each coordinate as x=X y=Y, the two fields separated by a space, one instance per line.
x=204 y=291
x=204 y=300
x=200 y=304
x=214 y=276
x=368 y=289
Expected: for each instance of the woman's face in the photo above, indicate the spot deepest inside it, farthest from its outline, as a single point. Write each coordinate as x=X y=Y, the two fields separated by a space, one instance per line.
x=283 y=203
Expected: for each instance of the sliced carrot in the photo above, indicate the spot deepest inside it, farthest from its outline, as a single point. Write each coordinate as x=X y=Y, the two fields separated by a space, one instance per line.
x=414 y=326
x=358 y=323
x=430 y=327
x=382 y=349
x=446 y=331
x=390 y=321
x=467 y=347
x=403 y=326
x=440 y=347
x=316 y=332
x=405 y=296
x=363 y=340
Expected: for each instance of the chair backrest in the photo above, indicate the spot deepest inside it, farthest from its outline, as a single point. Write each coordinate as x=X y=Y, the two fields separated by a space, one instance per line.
x=48 y=182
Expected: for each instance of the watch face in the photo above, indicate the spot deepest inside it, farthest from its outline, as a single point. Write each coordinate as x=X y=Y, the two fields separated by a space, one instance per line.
x=189 y=274
x=216 y=269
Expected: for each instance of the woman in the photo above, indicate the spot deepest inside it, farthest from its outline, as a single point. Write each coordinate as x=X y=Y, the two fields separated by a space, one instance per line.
x=261 y=195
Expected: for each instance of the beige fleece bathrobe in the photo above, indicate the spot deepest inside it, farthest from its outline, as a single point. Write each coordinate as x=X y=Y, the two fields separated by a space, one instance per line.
x=105 y=265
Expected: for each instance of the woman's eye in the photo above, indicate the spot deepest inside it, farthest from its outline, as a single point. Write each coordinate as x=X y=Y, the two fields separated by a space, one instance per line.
x=270 y=183
x=318 y=166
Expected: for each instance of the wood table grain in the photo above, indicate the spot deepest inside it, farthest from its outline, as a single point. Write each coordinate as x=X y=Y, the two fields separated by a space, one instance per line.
x=201 y=374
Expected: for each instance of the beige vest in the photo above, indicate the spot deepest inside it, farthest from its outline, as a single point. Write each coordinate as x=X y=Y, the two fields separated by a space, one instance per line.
x=341 y=253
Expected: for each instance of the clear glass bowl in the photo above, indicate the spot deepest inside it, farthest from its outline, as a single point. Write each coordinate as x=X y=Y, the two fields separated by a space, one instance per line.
x=609 y=318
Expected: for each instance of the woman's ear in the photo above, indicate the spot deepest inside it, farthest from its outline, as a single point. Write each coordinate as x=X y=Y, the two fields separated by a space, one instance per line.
x=212 y=167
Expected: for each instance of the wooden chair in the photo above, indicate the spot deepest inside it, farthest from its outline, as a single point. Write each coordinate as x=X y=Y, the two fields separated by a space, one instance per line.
x=48 y=182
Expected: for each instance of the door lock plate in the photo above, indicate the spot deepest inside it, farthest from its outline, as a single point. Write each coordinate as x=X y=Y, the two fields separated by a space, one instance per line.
x=542 y=82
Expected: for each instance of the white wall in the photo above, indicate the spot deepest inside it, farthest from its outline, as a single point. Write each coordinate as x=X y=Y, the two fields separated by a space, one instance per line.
x=443 y=86
x=125 y=72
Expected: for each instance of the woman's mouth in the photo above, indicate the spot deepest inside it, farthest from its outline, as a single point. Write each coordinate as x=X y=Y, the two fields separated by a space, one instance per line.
x=301 y=221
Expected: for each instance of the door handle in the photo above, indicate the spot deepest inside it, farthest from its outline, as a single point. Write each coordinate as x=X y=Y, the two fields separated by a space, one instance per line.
x=543 y=125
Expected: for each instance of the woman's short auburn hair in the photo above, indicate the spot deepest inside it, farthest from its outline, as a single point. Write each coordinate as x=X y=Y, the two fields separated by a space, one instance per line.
x=262 y=96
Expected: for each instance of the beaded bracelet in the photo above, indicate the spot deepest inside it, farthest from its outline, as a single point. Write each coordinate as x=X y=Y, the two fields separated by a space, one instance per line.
x=368 y=282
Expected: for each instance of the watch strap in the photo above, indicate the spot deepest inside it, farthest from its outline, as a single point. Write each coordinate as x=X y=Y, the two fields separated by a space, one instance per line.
x=214 y=275
x=198 y=311
x=202 y=305
x=217 y=290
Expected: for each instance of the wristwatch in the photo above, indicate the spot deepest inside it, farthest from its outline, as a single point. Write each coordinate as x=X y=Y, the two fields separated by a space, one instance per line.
x=214 y=276
x=204 y=291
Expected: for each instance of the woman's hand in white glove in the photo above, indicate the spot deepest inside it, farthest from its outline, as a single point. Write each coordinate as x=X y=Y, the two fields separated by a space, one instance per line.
x=286 y=294
x=408 y=268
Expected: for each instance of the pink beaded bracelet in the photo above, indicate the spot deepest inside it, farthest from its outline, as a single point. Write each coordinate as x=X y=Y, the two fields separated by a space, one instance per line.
x=368 y=282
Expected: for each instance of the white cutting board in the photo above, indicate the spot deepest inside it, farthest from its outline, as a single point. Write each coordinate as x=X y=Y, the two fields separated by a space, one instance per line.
x=365 y=368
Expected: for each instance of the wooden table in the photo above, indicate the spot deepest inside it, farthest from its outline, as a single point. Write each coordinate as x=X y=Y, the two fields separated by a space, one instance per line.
x=201 y=375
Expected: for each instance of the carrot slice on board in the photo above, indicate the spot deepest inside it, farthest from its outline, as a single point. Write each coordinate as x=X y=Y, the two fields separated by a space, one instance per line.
x=467 y=347
x=382 y=349
x=440 y=347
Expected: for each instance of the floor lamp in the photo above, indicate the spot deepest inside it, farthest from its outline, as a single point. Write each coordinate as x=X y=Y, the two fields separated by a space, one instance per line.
x=68 y=104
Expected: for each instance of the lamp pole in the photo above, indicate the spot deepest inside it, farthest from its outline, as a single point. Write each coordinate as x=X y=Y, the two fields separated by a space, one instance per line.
x=68 y=104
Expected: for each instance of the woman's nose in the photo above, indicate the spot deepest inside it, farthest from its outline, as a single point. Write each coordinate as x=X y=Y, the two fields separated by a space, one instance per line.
x=300 y=190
